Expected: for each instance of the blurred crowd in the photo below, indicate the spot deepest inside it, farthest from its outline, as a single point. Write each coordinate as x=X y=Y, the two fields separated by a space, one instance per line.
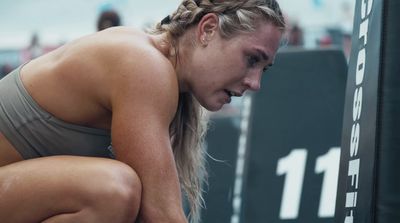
x=296 y=36
x=330 y=37
x=12 y=58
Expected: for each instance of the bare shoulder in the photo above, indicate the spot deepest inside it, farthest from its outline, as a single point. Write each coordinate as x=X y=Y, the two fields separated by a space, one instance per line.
x=127 y=64
x=142 y=75
x=95 y=74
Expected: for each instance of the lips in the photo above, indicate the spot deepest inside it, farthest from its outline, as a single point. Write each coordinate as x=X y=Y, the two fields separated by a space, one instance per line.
x=233 y=94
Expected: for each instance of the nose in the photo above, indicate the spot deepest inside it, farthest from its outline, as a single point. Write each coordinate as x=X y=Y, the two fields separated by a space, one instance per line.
x=253 y=81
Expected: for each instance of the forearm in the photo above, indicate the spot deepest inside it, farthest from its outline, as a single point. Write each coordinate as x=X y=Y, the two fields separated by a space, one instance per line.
x=162 y=203
x=161 y=199
x=148 y=151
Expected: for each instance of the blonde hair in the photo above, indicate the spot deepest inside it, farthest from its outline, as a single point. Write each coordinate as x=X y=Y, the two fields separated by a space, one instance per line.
x=188 y=128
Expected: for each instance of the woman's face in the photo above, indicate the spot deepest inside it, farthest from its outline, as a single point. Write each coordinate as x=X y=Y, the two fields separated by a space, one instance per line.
x=223 y=68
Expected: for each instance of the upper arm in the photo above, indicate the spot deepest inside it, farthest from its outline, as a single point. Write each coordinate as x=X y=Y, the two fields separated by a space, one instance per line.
x=143 y=106
x=144 y=100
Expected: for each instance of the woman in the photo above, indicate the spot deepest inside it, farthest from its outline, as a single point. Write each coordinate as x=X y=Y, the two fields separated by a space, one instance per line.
x=140 y=91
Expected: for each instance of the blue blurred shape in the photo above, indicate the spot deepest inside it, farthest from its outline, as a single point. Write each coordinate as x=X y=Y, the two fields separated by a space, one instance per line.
x=318 y=3
x=106 y=6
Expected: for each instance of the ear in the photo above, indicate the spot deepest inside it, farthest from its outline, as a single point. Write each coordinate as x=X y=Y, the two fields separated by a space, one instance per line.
x=207 y=28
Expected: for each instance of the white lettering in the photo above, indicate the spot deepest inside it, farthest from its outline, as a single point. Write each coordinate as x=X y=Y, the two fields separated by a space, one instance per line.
x=364 y=31
x=354 y=171
x=360 y=70
x=357 y=104
x=351 y=200
x=354 y=139
x=349 y=219
x=366 y=10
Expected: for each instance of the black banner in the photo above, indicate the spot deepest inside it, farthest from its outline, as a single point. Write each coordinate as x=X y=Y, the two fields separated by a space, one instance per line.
x=356 y=197
x=294 y=141
x=222 y=145
x=388 y=174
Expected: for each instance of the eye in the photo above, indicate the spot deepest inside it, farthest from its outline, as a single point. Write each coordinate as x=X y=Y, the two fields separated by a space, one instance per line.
x=267 y=67
x=252 y=61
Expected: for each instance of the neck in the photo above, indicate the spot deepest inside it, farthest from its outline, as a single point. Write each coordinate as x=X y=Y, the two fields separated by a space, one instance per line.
x=183 y=57
x=174 y=53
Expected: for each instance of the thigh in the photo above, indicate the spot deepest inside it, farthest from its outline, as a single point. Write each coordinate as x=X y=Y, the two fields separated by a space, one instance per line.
x=34 y=190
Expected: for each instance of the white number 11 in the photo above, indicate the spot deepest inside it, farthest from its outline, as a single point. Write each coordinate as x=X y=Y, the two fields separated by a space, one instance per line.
x=294 y=166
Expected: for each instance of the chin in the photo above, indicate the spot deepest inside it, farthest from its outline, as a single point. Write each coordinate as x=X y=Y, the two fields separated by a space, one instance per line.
x=210 y=105
x=213 y=107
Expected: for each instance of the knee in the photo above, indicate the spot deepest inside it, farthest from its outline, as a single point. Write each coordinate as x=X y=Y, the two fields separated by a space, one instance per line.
x=118 y=192
x=123 y=181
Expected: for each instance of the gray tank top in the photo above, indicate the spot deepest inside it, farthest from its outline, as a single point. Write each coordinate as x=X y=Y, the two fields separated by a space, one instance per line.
x=36 y=133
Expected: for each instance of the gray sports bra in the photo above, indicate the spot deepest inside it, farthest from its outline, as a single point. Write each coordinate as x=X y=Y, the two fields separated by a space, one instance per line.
x=36 y=133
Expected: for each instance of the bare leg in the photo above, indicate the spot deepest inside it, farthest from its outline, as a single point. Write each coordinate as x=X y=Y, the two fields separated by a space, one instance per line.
x=69 y=189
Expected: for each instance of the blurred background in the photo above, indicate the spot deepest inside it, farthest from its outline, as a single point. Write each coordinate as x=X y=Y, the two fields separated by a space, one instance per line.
x=31 y=28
